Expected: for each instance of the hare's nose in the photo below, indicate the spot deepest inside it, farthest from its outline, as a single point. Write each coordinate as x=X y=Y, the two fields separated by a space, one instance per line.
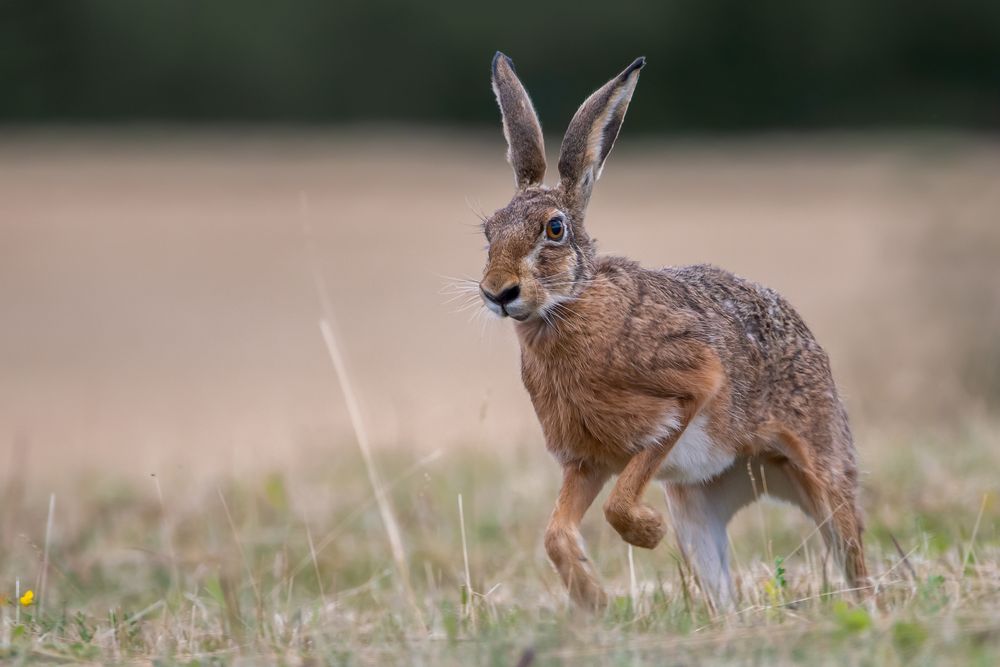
x=504 y=296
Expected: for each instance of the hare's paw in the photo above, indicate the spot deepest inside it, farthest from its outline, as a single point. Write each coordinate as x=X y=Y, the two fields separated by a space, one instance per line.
x=639 y=525
x=565 y=550
x=587 y=593
x=646 y=529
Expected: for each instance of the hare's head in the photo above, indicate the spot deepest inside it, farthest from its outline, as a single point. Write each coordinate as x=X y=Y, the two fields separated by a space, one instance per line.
x=539 y=252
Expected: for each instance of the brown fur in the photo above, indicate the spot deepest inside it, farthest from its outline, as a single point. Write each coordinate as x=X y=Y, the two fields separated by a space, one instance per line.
x=520 y=124
x=620 y=360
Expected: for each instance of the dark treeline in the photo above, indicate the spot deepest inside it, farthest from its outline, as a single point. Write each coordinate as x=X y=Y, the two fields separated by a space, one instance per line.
x=713 y=65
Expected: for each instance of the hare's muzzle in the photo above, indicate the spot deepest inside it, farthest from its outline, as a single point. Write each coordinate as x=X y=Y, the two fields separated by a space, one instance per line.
x=503 y=299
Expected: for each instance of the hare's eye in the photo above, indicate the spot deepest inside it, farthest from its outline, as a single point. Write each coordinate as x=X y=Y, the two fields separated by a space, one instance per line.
x=555 y=229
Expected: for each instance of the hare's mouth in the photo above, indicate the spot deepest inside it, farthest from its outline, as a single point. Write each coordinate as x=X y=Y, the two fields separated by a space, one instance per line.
x=514 y=311
x=518 y=309
x=520 y=317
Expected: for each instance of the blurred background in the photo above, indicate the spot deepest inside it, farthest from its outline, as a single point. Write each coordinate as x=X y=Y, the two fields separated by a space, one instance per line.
x=184 y=183
x=171 y=172
x=719 y=66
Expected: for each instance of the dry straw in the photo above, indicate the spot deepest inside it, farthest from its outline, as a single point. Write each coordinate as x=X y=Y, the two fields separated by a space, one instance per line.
x=354 y=412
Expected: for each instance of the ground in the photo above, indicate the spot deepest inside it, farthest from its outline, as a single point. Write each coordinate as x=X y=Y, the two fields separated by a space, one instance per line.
x=298 y=568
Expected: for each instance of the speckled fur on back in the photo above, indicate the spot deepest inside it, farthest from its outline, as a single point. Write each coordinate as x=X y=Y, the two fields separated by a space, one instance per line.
x=709 y=382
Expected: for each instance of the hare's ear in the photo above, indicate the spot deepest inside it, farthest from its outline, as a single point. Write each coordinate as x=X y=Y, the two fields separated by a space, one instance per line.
x=525 y=148
x=593 y=131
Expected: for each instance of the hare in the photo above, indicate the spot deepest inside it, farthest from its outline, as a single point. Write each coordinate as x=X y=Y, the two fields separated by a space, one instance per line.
x=692 y=376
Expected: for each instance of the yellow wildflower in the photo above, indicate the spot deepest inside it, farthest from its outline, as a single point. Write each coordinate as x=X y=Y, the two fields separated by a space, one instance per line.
x=27 y=598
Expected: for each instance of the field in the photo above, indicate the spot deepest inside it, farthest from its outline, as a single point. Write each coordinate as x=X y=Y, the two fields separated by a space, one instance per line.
x=180 y=481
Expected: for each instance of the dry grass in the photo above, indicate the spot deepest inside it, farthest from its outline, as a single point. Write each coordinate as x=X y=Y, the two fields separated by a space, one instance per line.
x=164 y=376
x=296 y=567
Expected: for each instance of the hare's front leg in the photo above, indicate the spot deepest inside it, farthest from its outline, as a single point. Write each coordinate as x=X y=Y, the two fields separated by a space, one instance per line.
x=635 y=521
x=563 y=542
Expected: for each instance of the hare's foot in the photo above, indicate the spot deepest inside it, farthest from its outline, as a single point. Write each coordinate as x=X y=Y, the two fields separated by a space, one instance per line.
x=638 y=524
x=564 y=550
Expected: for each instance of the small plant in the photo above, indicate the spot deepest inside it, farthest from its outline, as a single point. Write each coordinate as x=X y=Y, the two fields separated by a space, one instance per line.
x=850 y=620
x=908 y=637
x=777 y=585
x=779 y=573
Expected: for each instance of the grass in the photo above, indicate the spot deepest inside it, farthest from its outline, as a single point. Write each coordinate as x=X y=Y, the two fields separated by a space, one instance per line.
x=295 y=566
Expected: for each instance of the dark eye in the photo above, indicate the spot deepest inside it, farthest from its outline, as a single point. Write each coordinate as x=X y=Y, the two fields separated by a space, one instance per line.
x=555 y=229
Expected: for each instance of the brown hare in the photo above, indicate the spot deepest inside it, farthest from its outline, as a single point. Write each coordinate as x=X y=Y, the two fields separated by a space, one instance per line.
x=692 y=376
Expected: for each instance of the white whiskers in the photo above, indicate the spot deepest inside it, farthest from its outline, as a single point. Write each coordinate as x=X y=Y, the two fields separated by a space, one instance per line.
x=463 y=292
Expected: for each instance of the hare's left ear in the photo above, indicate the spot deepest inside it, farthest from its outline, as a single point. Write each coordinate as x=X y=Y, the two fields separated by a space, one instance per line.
x=592 y=134
x=525 y=148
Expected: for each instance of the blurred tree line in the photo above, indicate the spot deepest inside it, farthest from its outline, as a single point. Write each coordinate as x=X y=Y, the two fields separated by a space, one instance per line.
x=714 y=65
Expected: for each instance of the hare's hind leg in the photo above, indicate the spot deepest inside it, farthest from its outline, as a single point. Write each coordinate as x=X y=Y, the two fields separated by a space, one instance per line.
x=699 y=514
x=563 y=542
x=834 y=509
x=828 y=494
x=847 y=541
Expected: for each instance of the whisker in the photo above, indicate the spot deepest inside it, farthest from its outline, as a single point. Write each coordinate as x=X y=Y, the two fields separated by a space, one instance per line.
x=458 y=294
x=563 y=285
x=484 y=319
x=466 y=306
x=455 y=278
x=464 y=309
x=557 y=310
x=459 y=287
x=564 y=281
x=476 y=210
x=465 y=297
x=461 y=300
x=551 y=316
x=452 y=280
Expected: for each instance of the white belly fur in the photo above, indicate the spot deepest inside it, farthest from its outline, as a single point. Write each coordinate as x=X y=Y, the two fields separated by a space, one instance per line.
x=695 y=458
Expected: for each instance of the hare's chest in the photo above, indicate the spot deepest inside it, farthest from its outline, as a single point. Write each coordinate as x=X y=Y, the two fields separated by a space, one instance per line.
x=584 y=418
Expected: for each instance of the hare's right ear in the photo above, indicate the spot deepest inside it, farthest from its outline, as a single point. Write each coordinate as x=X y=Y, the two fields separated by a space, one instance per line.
x=525 y=148
x=592 y=134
